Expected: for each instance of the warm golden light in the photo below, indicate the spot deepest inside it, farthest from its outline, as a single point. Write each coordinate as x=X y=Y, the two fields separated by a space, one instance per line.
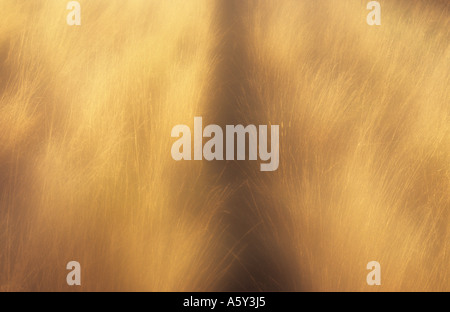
x=86 y=171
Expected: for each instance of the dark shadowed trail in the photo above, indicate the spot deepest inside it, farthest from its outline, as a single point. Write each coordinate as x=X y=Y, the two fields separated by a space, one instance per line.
x=260 y=263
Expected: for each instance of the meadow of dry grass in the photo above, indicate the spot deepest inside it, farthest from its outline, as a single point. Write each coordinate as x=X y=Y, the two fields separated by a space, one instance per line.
x=86 y=173
x=365 y=161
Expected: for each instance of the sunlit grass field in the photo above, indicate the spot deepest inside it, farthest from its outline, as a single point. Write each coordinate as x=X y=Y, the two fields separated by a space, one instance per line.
x=86 y=172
